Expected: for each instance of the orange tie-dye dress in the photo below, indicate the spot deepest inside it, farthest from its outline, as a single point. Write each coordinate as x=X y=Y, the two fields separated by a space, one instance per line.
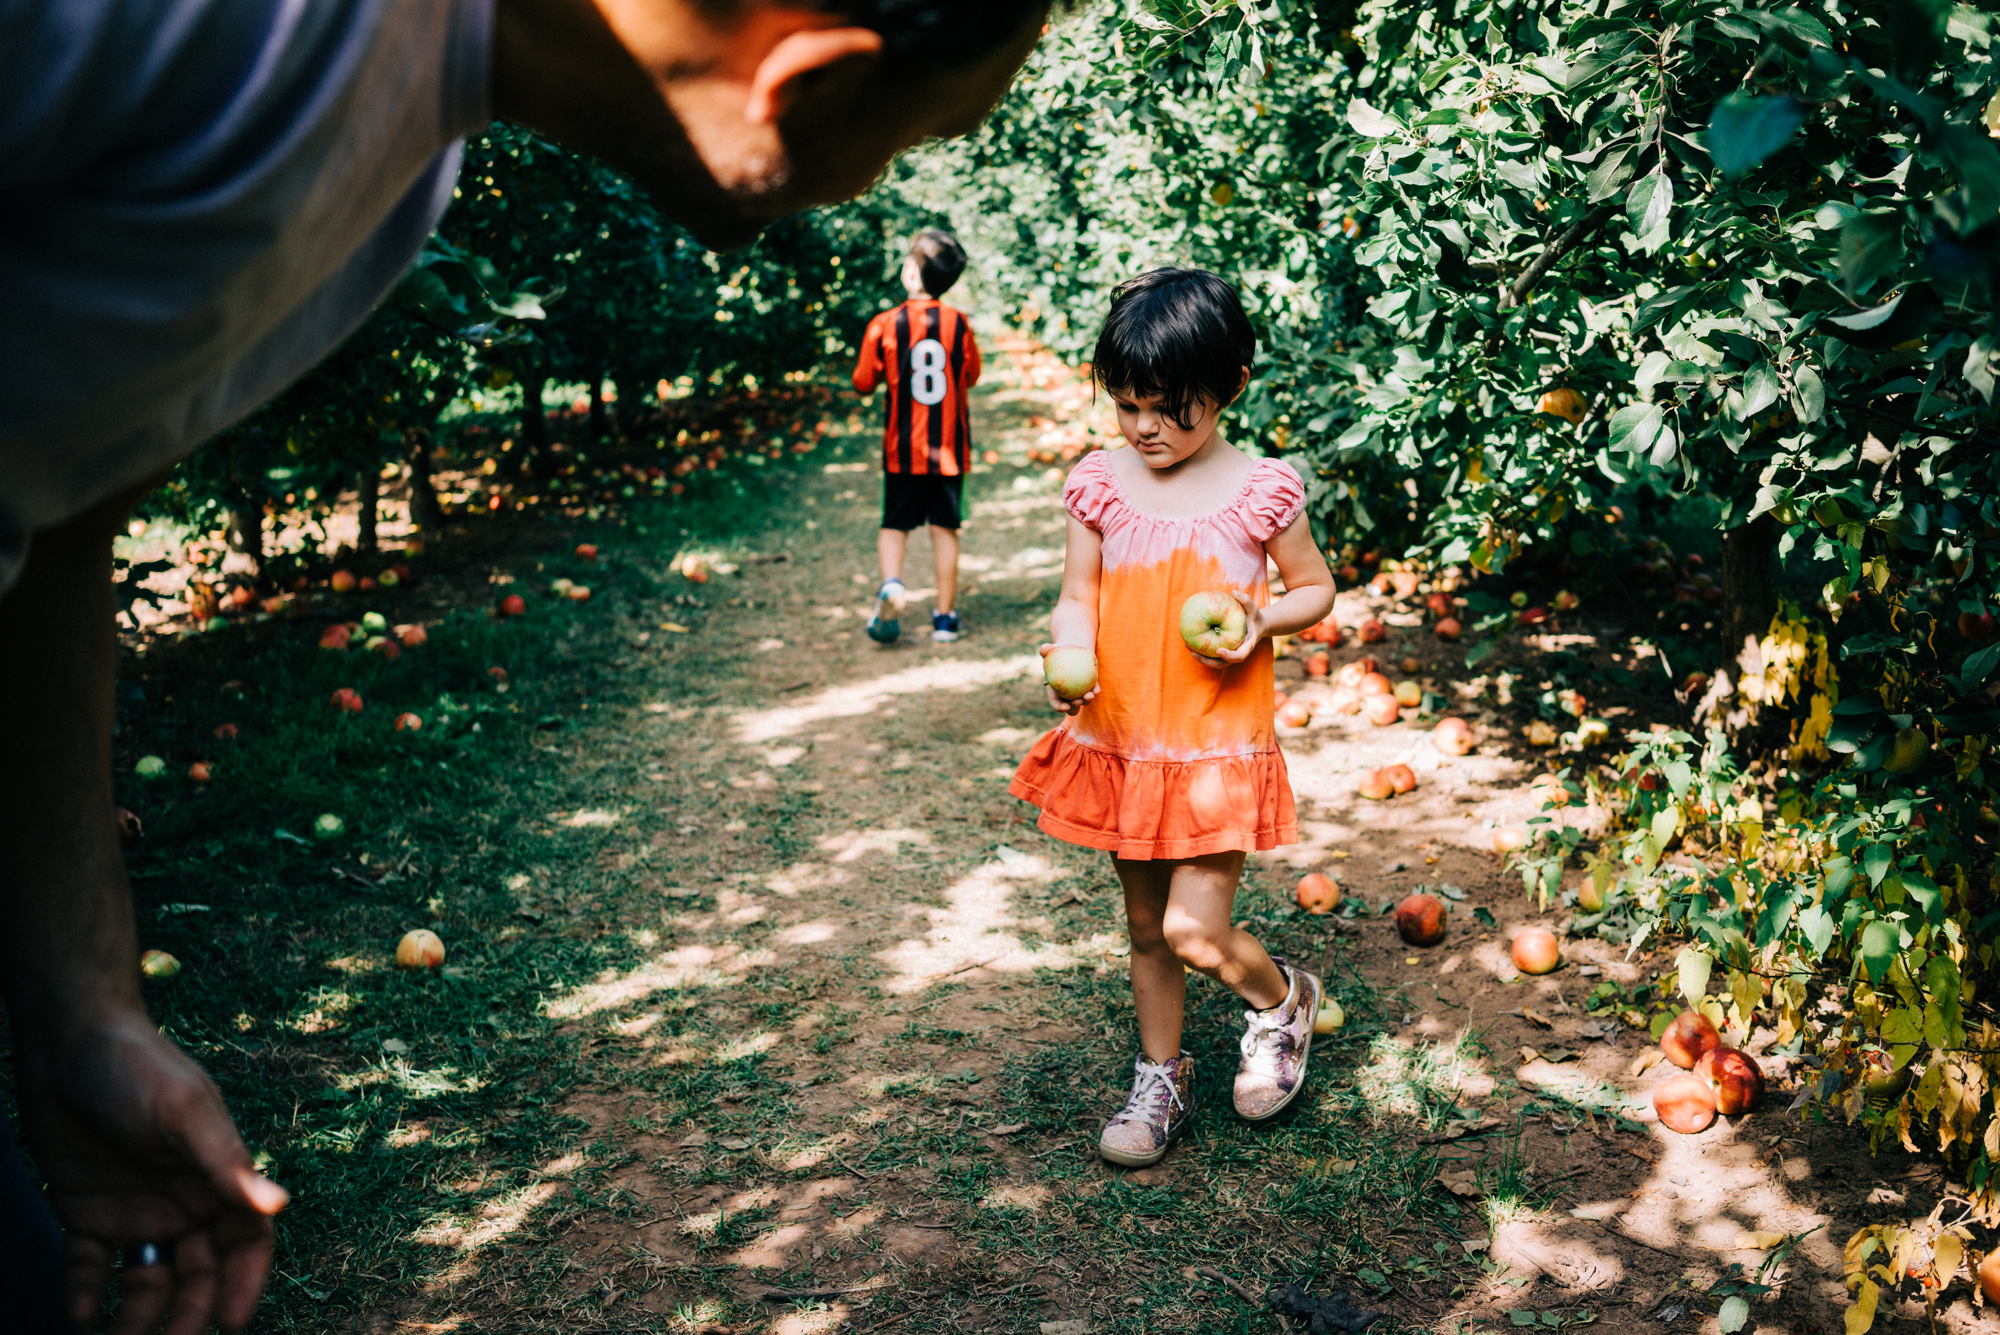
x=1173 y=759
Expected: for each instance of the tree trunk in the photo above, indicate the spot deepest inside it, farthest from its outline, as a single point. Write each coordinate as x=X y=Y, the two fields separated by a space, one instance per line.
x=371 y=494
x=425 y=511
x=600 y=422
x=534 y=423
x=1749 y=591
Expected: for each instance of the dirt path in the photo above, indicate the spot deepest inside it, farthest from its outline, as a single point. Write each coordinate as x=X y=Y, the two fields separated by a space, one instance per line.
x=857 y=1083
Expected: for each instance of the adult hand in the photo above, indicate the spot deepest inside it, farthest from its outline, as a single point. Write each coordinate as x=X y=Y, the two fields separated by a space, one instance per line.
x=1254 y=625
x=1056 y=702
x=138 y=1148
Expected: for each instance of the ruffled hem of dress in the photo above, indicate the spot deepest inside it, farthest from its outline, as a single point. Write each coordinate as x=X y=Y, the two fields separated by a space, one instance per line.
x=1149 y=810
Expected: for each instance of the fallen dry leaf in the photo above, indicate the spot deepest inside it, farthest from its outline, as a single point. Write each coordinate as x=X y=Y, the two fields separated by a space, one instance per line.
x=1461 y=1183
x=1460 y=1127
x=699 y=1138
x=1762 y=1240
x=1065 y=1328
x=1639 y=1152
x=733 y=1143
x=1529 y=1055
x=1535 y=1017
x=1007 y=1130
x=1645 y=1062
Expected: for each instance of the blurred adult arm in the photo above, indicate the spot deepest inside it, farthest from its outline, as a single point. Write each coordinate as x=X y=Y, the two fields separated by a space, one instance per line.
x=132 y=1135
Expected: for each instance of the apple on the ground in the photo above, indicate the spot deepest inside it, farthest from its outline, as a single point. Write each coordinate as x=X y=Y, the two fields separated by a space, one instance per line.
x=1535 y=951
x=420 y=948
x=1420 y=919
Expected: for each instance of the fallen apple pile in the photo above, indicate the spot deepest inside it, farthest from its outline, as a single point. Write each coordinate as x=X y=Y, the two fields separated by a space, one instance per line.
x=1685 y=1103
x=1687 y=1038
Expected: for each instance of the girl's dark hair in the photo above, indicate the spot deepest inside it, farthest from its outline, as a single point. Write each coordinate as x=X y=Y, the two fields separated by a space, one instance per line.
x=1177 y=333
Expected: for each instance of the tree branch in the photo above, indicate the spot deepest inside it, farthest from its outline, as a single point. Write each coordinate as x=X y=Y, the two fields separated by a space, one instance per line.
x=1578 y=232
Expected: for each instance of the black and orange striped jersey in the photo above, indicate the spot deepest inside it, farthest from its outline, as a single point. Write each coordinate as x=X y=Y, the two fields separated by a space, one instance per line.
x=924 y=352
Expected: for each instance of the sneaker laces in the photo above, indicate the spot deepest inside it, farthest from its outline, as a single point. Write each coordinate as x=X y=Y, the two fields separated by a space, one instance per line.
x=1152 y=1080
x=1260 y=1041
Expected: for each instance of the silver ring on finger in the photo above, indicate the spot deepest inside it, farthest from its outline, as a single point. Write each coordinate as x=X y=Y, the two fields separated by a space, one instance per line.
x=143 y=1254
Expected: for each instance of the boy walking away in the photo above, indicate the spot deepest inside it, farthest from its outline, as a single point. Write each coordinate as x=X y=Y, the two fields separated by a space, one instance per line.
x=924 y=352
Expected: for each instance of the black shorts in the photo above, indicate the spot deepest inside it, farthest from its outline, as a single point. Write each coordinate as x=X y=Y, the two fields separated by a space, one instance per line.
x=911 y=500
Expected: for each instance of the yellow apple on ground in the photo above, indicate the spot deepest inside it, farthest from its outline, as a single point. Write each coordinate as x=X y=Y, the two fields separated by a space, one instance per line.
x=420 y=948
x=1409 y=694
x=1211 y=622
x=158 y=964
x=1330 y=1017
x=1070 y=670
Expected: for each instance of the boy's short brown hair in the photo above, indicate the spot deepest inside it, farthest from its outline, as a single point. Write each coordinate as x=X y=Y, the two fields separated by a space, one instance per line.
x=940 y=260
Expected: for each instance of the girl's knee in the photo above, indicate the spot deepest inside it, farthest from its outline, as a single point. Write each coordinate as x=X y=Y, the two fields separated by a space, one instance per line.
x=1192 y=941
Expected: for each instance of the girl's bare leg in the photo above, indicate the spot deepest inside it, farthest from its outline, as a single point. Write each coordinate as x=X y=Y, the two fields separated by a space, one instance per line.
x=1177 y=914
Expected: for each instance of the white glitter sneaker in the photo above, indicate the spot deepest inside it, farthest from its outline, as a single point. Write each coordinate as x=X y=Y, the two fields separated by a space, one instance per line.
x=1157 y=1110
x=1276 y=1046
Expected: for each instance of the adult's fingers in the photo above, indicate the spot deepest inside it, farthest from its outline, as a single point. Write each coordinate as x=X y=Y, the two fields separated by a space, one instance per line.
x=198 y=1120
x=194 y=1294
x=143 y=1293
x=88 y=1266
x=246 y=1243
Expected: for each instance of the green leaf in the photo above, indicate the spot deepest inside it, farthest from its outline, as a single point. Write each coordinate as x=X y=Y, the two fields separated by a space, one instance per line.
x=1818 y=926
x=1648 y=206
x=1370 y=123
x=1879 y=942
x=1977 y=668
x=1760 y=390
x=1608 y=175
x=1878 y=859
x=1732 y=1315
x=1636 y=427
x=1808 y=394
x=1746 y=129
x=1871 y=244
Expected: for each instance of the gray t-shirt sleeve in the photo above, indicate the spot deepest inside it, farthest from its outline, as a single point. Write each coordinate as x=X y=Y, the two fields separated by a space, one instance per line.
x=198 y=200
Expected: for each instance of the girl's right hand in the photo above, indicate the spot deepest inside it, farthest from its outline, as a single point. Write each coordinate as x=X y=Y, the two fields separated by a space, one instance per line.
x=1056 y=702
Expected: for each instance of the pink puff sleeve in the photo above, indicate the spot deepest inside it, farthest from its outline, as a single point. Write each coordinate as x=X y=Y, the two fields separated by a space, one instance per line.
x=1273 y=500
x=1090 y=493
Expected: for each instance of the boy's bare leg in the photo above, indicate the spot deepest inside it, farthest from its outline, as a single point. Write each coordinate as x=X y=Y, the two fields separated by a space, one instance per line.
x=890 y=545
x=944 y=550
x=1159 y=981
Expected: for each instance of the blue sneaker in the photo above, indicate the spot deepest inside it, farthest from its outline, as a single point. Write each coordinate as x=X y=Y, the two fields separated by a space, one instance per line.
x=883 y=629
x=945 y=627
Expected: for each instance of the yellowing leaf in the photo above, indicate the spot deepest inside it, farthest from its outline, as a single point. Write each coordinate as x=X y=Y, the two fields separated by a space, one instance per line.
x=1760 y=1241
x=1694 y=970
x=1946 y=1253
x=1862 y=1315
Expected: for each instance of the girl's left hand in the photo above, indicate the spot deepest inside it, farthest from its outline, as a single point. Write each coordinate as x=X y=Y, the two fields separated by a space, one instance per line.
x=1253 y=631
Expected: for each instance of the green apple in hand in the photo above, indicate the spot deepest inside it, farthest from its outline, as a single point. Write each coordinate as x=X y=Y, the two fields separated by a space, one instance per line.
x=1212 y=622
x=1071 y=671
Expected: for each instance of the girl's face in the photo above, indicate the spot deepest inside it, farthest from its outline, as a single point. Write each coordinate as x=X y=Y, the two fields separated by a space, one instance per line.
x=1161 y=441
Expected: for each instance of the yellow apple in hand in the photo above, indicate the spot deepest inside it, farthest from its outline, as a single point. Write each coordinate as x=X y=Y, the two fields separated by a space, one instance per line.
x=1070 y=671
x=1212 y=622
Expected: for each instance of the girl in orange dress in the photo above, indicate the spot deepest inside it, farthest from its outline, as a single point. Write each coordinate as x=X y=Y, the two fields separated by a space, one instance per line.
x=1171 y=762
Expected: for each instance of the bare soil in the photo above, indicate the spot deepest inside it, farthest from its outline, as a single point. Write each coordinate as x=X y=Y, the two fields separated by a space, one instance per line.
x=857 y=1081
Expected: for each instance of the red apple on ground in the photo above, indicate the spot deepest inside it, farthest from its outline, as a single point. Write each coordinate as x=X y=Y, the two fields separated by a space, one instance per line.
x=1375 y=786
x=1294 y=715
x=1317 y=665
x=1373 y=631
x=1534 y=616
x=1318 y=893
x=1278 y=697
x=386 y=647
x=335 y=637
x=1350 y=674
x=1507 y=838
x=199 y=772
x=366 y=584
x=1405 y=582
x=579 y=593
x=1535 y=951
x=1687 y=1038
x=1453 y=736
x=1380 y=586
x=420 y=949
x=1989 y=1276
x=408 y=722
x=1735 y=1077
x=587 y=551
x=346 y=700
x=342 y=581
x=226 y=732
x=499 y=675
x=412 y=636
x=513 y=605
x=1447 y=628
x=1420 y=920
x=1685 y=1103
x=1374 y=683
x=1438 y=604
x=1212 y=621
x=1401 y=778
x=1381 y=710
x=1070 y=670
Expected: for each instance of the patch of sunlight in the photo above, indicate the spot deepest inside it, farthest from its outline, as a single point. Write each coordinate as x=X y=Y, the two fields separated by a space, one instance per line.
x=325 y=1008
x=803 y=876
x=705 y=1315
x=1005 y=736
x=769 y=646
x=858 y=1222
x=1509 y=1207
x=686 y=1052
x=634 y=1027
x=443 y=1327
x=810 y=1323
x=1401 y=1080
x=645 y=938
x=748 y=914
x=905 y=1082
x=501 y=1216
x=402 y=1137
x=702 y=1225
x=354 y=964
x=1018 y=1197
x=768 y=725
x=810 y=1157
x=807 y=934
x=853 y=845
x=745 y=1048
x=689 y=966
x=584 y=820
x=564 y=1166
x=969 y=932
x=779 y=757
x=431 y=1084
